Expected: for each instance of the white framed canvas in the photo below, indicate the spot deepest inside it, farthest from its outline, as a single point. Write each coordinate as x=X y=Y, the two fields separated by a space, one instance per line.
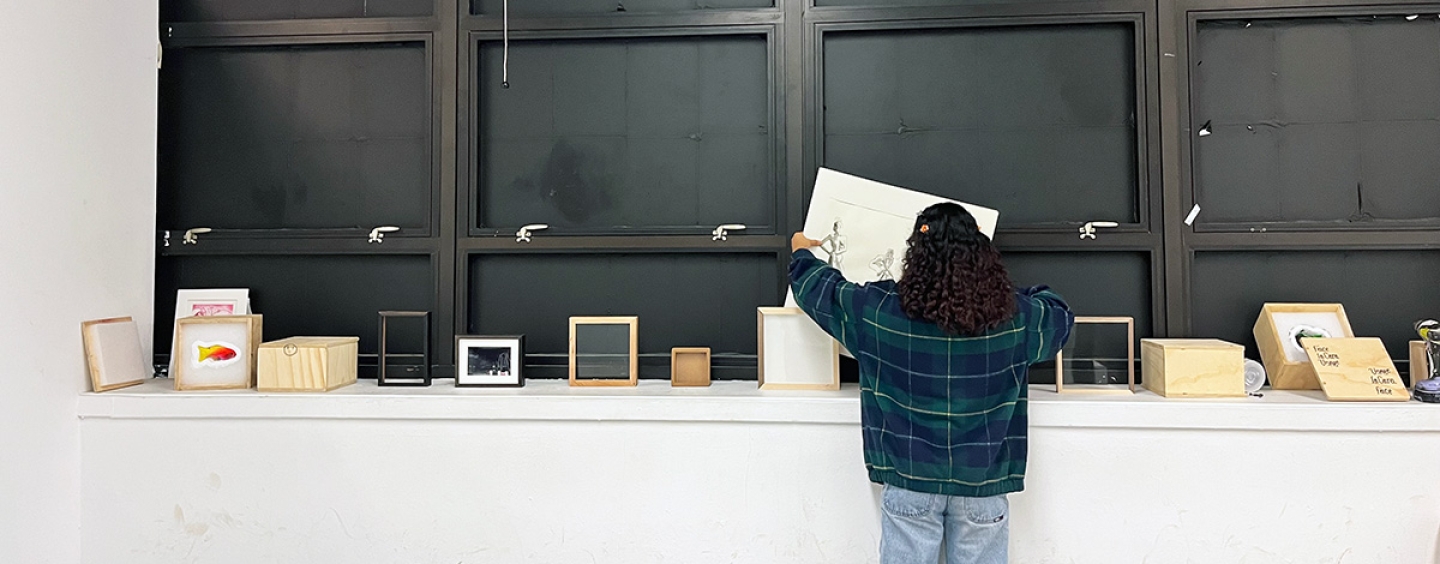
x=209 y=302
x=489 y=361
x=216 y=352
x=795 y=353
x=113 y=354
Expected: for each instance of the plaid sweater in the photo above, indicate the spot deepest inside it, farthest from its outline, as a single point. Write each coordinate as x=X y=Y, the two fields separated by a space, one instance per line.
x=939 y=413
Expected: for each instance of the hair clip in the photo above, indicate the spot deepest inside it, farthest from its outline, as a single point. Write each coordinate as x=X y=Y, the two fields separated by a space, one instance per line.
x=925 y=228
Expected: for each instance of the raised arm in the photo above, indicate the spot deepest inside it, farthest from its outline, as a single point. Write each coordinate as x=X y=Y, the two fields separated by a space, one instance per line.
x=823 y=293
x=1049 y=323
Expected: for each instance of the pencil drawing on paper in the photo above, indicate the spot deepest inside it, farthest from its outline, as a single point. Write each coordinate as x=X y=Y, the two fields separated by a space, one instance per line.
x=883 y=264
x=834 y=245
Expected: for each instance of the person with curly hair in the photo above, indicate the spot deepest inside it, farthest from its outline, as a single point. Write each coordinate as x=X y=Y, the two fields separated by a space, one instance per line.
x=944 y=355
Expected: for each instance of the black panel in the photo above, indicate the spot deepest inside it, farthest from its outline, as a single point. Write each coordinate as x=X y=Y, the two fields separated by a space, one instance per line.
x=1114 y=284
x=296 y=137
x=1038 y=122
x=1318 y=119
x=1094 y=284
x=306 y=295
x=234 y=10
x=623 y=134
x=1384 y=292
x=682 y=300
x=555 y=7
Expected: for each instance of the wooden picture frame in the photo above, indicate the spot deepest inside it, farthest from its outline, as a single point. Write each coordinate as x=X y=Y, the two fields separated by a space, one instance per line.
x=1287 y=366
x=468 y=373
x=207 y=344
x=113 y=356
x=633 y=364
x=813 y=339
x=1101 y=389
x=690 y=367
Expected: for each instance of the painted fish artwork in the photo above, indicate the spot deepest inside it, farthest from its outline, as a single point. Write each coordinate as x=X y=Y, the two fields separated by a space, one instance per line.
x=215 y=354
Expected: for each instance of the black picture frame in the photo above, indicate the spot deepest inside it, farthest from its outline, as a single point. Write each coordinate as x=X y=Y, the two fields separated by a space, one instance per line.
x=512 y=360
x=418 y=375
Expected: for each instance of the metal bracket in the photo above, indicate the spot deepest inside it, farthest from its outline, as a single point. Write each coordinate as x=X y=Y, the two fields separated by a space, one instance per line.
x=524 y=234
x=377 y=235
x=720 y=232
x=190 y=235
x=1087 y=231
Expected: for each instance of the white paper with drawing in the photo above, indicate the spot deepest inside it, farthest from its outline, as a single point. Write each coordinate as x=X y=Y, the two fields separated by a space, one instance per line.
x=863 y=224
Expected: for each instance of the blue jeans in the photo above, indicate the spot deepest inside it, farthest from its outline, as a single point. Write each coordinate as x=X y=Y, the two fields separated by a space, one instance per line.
x=914 y=525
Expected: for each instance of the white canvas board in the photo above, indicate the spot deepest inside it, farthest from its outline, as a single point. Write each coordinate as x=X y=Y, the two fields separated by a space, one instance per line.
x=864 y=224
x=795 y=351
x=1289 y=323
x=216 y=354
x=874 y=221
x=115 y=353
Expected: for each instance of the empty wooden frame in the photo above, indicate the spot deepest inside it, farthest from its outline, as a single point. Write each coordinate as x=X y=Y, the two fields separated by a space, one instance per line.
x=1129 y=323
x=690 y=366
x=795 y=353
x=604 y=351
x=112 y=353
x=216 y=353
x=1278 y=332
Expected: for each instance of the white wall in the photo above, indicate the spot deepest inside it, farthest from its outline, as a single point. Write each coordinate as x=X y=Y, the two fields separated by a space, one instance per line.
x=77 y=216
x=710 y=476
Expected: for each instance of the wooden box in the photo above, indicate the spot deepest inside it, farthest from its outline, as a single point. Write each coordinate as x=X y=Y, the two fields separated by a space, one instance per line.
x=1192 y=368
x=690 y=367
x=1285 y=360
x=307 y=364
x=1419 y=363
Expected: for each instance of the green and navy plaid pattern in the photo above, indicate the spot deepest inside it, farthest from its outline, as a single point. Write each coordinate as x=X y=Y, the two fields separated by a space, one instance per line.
x=939 y=413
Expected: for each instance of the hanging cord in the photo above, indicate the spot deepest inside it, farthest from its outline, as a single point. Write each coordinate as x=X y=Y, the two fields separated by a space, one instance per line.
x=505 y=58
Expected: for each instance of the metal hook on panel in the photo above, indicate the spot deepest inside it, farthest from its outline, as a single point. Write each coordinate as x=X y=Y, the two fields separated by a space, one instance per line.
x=523 y=235
x=720 y=232
x=377 y=235
x=190 y=235
x=1087 y=231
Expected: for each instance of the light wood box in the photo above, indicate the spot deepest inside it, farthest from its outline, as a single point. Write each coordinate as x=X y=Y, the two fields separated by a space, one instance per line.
x=1192 y=368
x=255 y=335
x=1419 y=364
x=690 y=366
x=1283 y=373
x=308 y=364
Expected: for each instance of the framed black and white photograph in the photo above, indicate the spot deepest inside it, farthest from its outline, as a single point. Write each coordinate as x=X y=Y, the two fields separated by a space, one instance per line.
x=489 y=361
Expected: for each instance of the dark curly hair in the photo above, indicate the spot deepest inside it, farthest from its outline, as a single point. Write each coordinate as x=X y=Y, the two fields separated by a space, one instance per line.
x=953 y=275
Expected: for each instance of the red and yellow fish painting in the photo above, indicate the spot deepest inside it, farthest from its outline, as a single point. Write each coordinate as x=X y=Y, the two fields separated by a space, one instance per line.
x=214 y=353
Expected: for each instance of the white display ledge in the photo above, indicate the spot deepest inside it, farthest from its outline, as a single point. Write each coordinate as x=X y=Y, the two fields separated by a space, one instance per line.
x=555 y=400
